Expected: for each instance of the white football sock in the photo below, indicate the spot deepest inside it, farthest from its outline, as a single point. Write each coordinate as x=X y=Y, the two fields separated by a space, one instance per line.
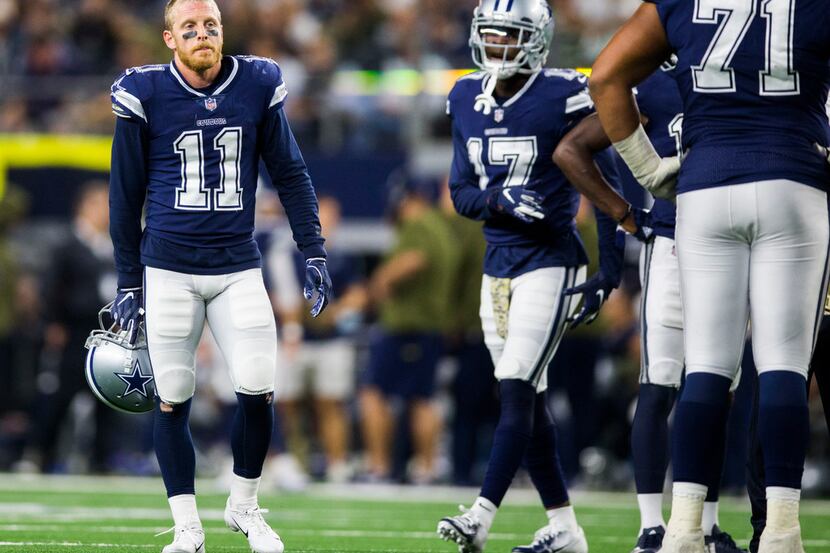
x=782 y=508
x=244 y=491
x=562 y=518
x=710 y=516
x=651 y=510
x=687 y=506
x=184 y=510
x=485 y=510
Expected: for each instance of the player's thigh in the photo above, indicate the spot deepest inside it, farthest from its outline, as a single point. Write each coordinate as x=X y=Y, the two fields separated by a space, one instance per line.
x=242 y=322
x=788 y=274
x=333 y=369
x=713 y=253
x=661 y=315
x=174 y=319
x=493 y=324
x=537 y=319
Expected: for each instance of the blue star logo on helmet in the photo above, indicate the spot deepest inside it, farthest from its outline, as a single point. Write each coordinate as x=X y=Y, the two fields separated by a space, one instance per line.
x=136 y=381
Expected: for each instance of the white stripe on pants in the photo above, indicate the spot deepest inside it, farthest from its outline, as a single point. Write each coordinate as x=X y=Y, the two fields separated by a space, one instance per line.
x=536 y=322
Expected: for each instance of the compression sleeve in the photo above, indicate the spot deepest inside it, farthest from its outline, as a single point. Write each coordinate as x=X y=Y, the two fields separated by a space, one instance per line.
x=128 y=188
x=288 y=171
x=467 y=196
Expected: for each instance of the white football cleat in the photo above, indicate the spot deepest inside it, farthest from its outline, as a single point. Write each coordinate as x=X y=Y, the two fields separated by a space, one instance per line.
x=781 y=541
x=465 y=530
x=690 y=541
x=189 y=539
x=261 y=537
x=552 y=540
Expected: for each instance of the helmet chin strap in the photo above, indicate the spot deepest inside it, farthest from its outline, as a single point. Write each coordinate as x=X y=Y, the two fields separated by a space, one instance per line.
x=485 y=101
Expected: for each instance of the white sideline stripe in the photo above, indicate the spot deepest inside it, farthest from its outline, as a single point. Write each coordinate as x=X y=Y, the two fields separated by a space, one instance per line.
x=71 y=544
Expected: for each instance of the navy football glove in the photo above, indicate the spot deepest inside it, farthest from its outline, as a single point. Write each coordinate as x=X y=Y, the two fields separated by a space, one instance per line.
x=596 y=289
x=594 y=292
x=317 y=279
x=645 y=226
x=128 y=311
x=523 y=204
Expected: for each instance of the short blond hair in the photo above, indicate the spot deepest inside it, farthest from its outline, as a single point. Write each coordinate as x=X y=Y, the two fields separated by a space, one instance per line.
x=168 y=11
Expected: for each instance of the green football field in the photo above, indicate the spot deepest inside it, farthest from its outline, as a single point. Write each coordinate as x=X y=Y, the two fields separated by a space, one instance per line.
x=119 y=514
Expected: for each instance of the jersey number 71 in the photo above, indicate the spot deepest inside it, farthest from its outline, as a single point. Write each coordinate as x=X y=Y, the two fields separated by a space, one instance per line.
x=714 y=74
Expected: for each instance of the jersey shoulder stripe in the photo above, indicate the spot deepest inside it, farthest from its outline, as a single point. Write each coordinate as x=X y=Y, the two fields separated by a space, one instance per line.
x=130 y=90
x=268 y=73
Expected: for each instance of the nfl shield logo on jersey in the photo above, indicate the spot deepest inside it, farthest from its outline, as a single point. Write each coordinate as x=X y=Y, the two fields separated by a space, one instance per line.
x=210 y=104
x=498 y=115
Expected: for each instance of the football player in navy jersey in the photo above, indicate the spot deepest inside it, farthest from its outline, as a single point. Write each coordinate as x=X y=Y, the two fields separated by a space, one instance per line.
x=752 y=223
x=506 y=122
x=661 y=324
x=187 y=145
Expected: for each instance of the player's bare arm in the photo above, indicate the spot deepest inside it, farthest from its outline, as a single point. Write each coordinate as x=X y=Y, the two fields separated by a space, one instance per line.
x=638 y=49
x=397 y=270
x=633 y=54
x=575 y=156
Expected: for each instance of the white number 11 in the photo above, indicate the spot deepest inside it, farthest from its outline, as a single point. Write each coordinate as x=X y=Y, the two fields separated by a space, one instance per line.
x=192 y=194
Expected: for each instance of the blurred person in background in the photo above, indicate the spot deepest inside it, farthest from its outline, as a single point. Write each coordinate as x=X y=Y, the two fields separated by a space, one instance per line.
x=76 y=286
x=474 y=388
x=412 y=294
x=320 y=356
x=19 y=332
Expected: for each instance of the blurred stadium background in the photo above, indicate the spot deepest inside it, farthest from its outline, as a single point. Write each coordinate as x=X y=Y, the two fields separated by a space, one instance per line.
x=367 y=86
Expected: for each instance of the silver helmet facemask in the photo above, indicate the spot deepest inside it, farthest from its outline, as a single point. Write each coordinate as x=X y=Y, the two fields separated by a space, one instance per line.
x=530 y=21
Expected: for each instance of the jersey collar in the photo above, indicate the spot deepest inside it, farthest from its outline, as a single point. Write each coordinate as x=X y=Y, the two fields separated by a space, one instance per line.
x=175 y=72
x=515 y=98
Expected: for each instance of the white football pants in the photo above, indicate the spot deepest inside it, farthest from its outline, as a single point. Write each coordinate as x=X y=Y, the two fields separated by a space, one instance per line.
x=757 y=252
x=524 y=318
x=661 y=316
x=238 y=310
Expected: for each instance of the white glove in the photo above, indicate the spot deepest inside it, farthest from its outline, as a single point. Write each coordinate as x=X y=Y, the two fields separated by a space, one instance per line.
x=656 y=174
x=824 y=151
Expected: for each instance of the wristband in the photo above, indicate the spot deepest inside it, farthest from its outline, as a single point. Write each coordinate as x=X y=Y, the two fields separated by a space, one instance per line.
x=628 y=212
x=638 y=153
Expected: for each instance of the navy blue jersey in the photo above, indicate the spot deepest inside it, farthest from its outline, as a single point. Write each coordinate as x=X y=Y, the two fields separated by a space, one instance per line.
x=513 y=146
x=754 y=77
x=191 y=157
x=659 y=100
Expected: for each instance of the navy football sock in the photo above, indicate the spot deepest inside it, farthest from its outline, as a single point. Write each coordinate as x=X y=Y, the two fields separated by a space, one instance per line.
x=174 y=448
x=542 y=458
x=783 y=427
x=650 y=437
x=699 y=427
x=251 y=433
x=512 y=435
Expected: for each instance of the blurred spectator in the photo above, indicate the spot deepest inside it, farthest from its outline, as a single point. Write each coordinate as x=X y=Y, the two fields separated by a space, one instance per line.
x=319 y=354
x=18 y=317
x=412 y=291
x=474 y=388
x=80 y=280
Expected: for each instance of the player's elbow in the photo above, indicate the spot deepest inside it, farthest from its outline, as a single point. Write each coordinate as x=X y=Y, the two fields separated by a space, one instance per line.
x=565 y=152
x=602 y=79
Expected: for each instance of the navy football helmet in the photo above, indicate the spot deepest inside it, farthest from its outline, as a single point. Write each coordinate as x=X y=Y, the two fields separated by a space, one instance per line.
x=119 y=373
